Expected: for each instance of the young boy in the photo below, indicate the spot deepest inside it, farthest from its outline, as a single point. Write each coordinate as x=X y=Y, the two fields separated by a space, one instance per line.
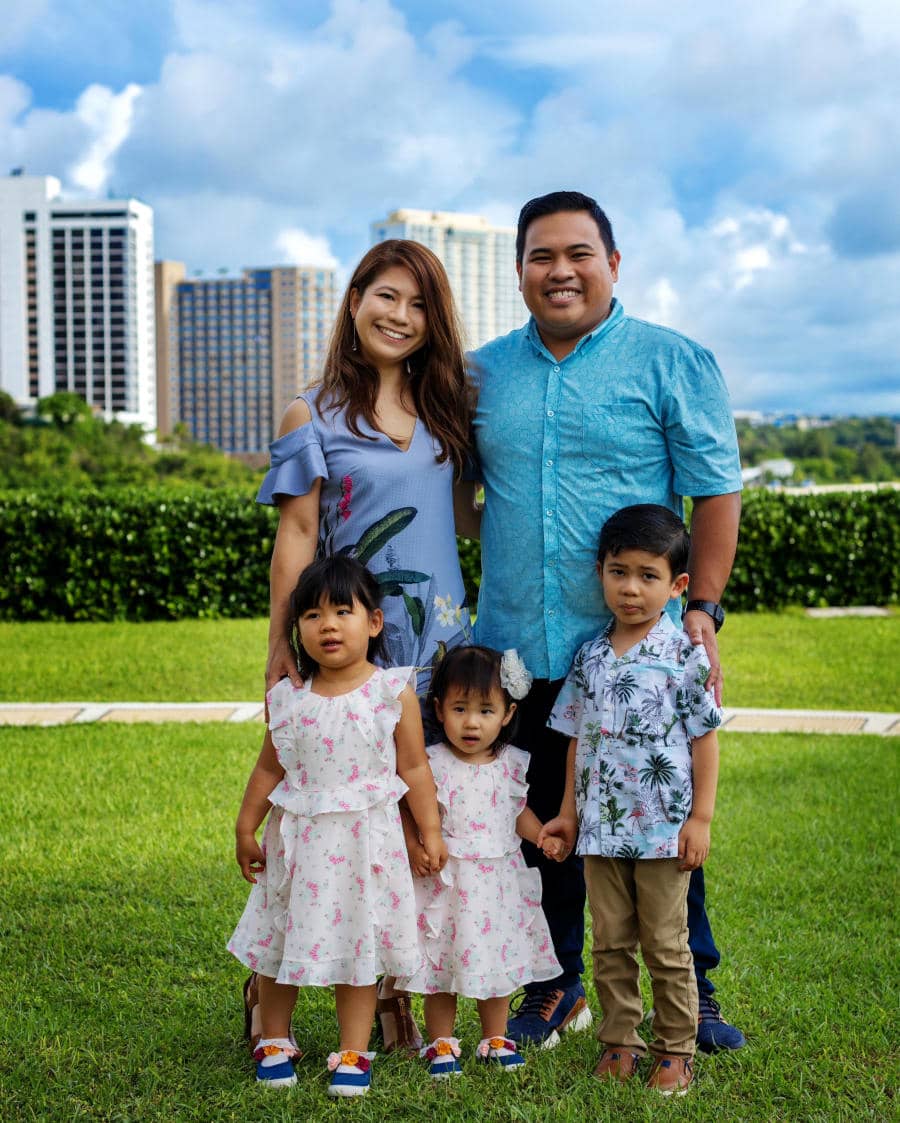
x=640 y=791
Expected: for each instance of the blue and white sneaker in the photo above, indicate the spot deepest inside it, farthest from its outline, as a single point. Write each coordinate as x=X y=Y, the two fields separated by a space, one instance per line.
x=443 y=1057
x=713 y=1032
x=499 y=1051
x=542 y=1015
x=275 y=1058
x=351 y=1073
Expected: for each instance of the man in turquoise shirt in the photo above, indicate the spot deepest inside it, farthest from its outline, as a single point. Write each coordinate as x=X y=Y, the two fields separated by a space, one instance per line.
x=583 y=411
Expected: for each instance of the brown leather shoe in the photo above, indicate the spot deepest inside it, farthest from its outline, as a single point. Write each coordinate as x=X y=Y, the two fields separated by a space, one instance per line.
x=396 y=1022
x=252 y=1020
x=670 y=1075
x=616 y=1065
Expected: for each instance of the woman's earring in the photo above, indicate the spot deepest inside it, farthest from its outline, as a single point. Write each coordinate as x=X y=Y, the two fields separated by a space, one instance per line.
x=352 y=321
x=408 y=368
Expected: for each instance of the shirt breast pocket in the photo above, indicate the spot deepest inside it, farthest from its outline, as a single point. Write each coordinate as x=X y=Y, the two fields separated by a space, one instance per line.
x=615 y=431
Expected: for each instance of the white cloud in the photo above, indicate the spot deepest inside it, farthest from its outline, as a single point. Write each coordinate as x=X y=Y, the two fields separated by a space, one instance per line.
x=108 y=117
x=297 y=247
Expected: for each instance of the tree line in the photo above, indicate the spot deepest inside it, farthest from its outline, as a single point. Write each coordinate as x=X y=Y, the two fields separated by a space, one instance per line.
x=66 y=446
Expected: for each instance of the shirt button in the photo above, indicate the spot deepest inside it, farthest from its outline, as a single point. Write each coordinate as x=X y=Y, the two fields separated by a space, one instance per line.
x=551 y=611
x=549 y=412
x=556 y=370
x=549 y=463
x=549 y=513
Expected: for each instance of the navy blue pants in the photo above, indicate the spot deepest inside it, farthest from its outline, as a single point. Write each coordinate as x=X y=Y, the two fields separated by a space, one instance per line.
x=563 y=897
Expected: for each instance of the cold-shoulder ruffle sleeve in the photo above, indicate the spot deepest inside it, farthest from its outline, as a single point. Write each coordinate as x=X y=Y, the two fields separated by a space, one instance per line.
x=297 y=461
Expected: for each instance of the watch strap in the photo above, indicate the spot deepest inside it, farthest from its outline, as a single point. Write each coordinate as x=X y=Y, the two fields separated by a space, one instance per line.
x=711 y=608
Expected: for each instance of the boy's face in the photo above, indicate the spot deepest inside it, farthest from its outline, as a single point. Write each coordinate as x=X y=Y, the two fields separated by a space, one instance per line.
x=637 y=586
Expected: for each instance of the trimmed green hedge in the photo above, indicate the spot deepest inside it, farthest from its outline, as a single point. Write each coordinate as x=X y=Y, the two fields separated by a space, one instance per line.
x=138 y=555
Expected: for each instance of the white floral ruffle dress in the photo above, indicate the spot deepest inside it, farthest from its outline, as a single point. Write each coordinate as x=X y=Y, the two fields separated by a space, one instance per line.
x=335 y=902
x=480 y=920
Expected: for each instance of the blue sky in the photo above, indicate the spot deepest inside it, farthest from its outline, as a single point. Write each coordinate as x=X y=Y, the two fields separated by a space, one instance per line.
x=748 y=155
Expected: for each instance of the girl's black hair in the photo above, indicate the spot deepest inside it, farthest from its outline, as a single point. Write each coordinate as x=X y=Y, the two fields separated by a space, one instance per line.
x=473 y=670
x=341 y=580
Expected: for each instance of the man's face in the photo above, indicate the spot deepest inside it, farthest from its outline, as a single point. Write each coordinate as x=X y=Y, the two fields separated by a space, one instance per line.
x=566 y=277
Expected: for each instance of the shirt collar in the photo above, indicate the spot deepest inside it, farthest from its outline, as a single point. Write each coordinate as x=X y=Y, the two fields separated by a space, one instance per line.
x=534 y=336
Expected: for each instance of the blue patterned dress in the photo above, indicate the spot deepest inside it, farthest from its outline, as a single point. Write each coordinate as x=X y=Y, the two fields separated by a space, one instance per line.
x=392 y=509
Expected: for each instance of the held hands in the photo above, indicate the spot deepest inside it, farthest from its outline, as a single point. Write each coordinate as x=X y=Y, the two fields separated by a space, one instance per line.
x=426 y=859
x=557 y=838
x=249 y=856
x=435 y=850
x=693 y=844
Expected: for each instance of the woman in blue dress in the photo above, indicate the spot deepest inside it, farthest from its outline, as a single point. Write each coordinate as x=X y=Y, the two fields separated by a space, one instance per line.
x=365 y=463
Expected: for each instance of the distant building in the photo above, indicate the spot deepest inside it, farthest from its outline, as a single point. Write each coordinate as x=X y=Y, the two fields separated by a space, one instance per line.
x=480 y=260
x=76 y=298
x=233 y=352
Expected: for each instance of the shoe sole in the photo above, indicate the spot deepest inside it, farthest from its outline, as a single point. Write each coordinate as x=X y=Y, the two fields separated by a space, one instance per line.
x=583 y=1019
x=347 y=1091
x=282 y=1082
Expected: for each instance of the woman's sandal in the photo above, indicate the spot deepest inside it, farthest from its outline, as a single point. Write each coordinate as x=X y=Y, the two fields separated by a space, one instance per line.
x=252 y=1019
x=394 y=1018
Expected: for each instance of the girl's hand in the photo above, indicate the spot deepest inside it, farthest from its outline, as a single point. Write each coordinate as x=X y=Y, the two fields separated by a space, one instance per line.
x=559 y=835
x=419 y=861
x=249 y=856
x=555 y=848
x=693 y=844
x=436 y=850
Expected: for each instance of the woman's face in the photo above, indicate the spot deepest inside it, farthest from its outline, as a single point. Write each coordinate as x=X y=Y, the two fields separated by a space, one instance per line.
x=389 y=315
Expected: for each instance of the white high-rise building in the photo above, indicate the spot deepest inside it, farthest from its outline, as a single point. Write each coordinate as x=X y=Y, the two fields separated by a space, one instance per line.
x=480 y=260
x=76 y=298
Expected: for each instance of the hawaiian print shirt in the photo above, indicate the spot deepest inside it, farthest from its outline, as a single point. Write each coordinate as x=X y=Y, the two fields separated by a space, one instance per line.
x=634 y=717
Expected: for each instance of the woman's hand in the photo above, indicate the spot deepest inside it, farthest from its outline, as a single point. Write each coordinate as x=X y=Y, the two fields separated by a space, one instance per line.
x=282 y=663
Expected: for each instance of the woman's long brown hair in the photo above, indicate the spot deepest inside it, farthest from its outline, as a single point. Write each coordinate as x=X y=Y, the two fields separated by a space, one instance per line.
x=437 y=381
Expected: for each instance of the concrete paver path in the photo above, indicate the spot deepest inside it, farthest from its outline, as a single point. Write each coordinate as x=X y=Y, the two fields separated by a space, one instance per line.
x=737 y=719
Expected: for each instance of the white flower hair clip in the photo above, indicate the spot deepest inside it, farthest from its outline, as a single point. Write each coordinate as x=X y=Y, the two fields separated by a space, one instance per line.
x=515 y=677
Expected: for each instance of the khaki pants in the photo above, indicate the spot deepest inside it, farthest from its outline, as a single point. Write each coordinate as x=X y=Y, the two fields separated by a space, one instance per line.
x=642 y=901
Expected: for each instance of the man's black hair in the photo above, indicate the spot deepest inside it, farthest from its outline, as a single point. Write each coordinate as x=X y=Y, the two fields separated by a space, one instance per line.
x=558 y=201
x=648 y=527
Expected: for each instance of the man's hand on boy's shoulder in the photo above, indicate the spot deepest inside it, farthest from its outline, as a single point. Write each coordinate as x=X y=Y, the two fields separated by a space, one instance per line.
x=693 y=843
x=701 y=628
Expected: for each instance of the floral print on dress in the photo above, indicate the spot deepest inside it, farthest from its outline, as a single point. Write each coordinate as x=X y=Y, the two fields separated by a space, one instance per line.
x=634 y=717
x=480 y=922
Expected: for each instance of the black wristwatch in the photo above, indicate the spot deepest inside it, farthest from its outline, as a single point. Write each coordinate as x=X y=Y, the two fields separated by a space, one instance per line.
x=709 y=607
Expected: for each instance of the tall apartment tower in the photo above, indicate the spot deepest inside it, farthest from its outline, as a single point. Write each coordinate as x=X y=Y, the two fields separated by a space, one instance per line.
x=233 y=352
x=480 y=260
x=76 y=298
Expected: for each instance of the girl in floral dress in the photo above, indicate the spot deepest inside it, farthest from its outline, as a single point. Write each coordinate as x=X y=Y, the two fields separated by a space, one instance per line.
x=480 y=920
x=332 y=900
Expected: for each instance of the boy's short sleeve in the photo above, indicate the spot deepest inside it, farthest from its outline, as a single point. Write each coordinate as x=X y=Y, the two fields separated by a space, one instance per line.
x=565 y=717
x=703 y=715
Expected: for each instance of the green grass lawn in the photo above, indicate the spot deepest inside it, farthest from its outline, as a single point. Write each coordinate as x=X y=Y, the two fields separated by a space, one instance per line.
x=771 y=660
x=120 y=1002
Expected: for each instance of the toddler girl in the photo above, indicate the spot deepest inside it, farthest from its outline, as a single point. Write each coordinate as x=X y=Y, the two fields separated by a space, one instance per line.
x=332 y=900
x=480 y=919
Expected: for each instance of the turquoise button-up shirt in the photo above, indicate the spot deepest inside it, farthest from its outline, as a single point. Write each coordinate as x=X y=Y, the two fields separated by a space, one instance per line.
x=636 y=413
